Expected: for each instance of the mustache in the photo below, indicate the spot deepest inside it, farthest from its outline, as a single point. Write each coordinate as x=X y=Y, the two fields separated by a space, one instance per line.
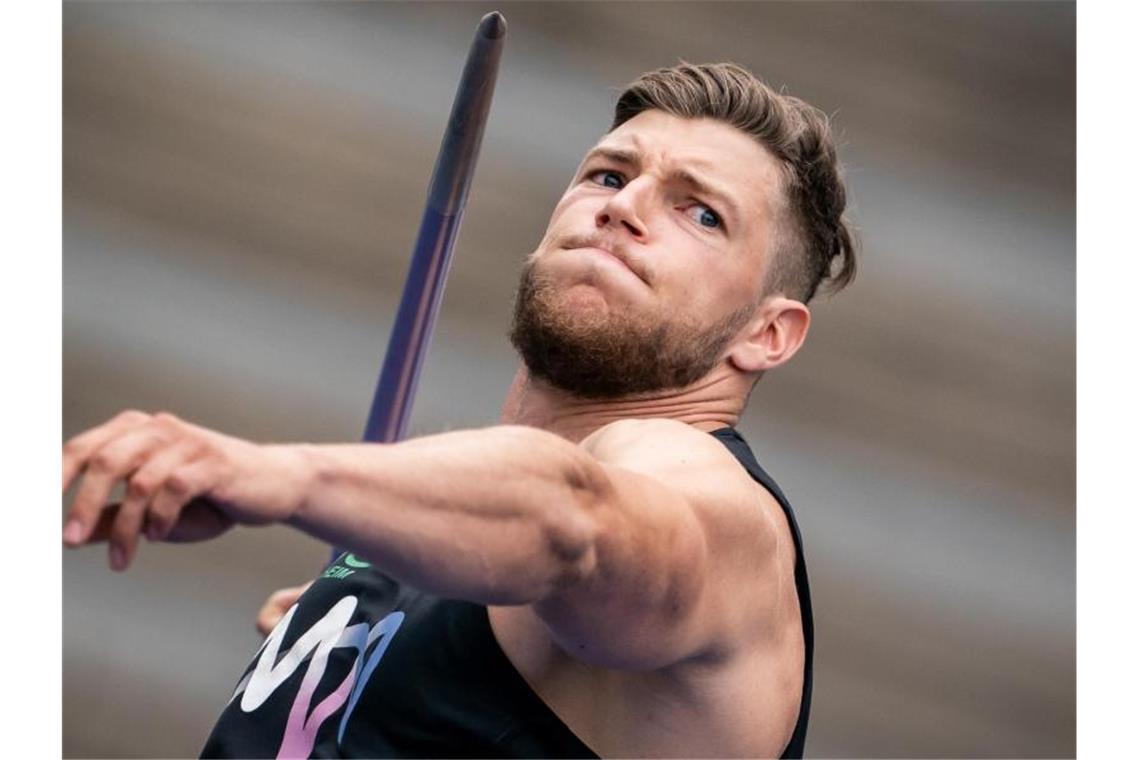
x=616 y=247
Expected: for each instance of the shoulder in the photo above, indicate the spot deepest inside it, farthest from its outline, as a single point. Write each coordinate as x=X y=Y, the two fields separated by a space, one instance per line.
x=735 y=511
x=657 y=444
x=676 y=453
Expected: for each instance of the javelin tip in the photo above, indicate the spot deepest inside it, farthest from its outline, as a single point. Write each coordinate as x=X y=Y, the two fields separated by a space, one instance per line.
x=493 y=25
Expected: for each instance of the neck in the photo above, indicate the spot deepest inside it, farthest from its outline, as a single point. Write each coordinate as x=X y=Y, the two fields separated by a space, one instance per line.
x=713 y=402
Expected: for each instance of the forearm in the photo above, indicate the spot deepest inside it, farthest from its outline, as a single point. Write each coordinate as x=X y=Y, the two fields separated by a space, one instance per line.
x=499 y=515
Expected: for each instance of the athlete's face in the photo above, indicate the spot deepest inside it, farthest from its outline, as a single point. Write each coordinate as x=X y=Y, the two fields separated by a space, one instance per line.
x=653 y=259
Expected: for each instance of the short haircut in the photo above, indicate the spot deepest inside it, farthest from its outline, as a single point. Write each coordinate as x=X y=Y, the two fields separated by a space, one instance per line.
x=813 y=244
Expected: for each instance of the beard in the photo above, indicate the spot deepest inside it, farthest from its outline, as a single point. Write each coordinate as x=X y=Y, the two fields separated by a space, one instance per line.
x=607 y=356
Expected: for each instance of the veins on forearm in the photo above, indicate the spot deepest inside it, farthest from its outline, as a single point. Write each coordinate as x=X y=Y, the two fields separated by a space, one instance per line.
x=499 y=515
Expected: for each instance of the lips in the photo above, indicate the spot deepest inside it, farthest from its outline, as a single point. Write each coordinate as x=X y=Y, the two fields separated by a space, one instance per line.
x=605 y=252
x=616 y=256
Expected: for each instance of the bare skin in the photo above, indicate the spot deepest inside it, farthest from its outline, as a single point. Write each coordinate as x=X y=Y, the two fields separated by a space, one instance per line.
x=634 y=573
x=707 y=705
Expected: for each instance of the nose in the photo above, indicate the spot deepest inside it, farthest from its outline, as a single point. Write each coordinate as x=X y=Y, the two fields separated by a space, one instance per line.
x=626 y=208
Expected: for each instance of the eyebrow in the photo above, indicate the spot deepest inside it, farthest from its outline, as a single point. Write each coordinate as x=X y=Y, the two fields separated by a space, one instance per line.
x=685 y=177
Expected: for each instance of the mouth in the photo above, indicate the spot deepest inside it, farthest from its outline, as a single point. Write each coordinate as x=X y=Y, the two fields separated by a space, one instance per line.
x=611 y=256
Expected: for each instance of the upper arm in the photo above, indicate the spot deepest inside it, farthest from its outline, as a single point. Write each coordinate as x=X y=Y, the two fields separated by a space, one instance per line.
x=680 y=530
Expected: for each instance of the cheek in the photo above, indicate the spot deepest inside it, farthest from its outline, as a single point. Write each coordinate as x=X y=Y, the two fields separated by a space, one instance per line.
x=705 y=289
x=576 y=207
x=574 y=215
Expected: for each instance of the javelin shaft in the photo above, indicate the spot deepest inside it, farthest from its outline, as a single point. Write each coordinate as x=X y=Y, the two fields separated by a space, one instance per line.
x=431 y=258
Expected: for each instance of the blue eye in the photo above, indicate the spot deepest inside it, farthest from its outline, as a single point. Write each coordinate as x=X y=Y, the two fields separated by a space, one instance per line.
x=609 y=178
x=705 y=216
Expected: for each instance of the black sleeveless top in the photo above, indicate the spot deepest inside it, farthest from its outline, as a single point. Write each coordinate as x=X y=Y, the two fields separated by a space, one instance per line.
x=363 y=666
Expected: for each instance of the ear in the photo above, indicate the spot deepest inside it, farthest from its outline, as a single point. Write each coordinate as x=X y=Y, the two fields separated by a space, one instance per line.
x=776 y=332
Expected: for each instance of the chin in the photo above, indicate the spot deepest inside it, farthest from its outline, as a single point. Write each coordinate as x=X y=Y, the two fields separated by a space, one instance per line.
x=579 y=294
x=586 y=302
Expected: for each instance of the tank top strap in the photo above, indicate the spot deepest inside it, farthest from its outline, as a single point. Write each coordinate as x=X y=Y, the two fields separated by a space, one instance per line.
x=740 y=449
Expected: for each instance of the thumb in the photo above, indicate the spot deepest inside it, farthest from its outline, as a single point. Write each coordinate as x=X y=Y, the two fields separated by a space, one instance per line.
x=277 y=605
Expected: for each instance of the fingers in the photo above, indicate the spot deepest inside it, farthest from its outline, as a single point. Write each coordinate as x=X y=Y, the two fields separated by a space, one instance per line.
x=78 y=449
x=104 y=467
x=277 y=605
x=102 y=530
x=179 y=487
x=151 y=479
x=177 y=476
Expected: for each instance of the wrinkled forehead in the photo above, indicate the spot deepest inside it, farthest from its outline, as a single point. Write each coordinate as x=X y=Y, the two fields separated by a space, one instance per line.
x=708 y=149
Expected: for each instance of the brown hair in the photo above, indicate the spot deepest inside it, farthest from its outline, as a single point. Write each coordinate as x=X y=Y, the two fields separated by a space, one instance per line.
x=814 y=243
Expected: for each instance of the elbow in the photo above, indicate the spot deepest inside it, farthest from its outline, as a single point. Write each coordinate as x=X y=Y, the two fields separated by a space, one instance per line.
x=573 y=530
x=572 y=543
x=563 y=491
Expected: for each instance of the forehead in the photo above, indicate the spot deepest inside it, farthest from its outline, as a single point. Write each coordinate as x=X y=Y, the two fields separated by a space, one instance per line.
x=711 y=149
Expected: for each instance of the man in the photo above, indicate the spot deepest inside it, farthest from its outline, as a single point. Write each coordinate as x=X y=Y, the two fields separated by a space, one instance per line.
x=607 y=573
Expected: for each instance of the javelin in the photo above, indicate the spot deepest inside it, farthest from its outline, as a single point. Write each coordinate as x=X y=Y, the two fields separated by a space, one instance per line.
x=431 y=257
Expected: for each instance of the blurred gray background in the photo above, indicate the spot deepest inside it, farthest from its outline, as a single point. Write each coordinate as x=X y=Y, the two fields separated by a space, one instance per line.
x=242 y=185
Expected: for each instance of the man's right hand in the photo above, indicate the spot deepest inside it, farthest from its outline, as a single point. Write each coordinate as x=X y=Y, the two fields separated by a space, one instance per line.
x=277 y=605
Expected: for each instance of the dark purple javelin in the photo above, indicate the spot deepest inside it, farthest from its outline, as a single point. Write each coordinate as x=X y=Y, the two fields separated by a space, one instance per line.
x=431 y=258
